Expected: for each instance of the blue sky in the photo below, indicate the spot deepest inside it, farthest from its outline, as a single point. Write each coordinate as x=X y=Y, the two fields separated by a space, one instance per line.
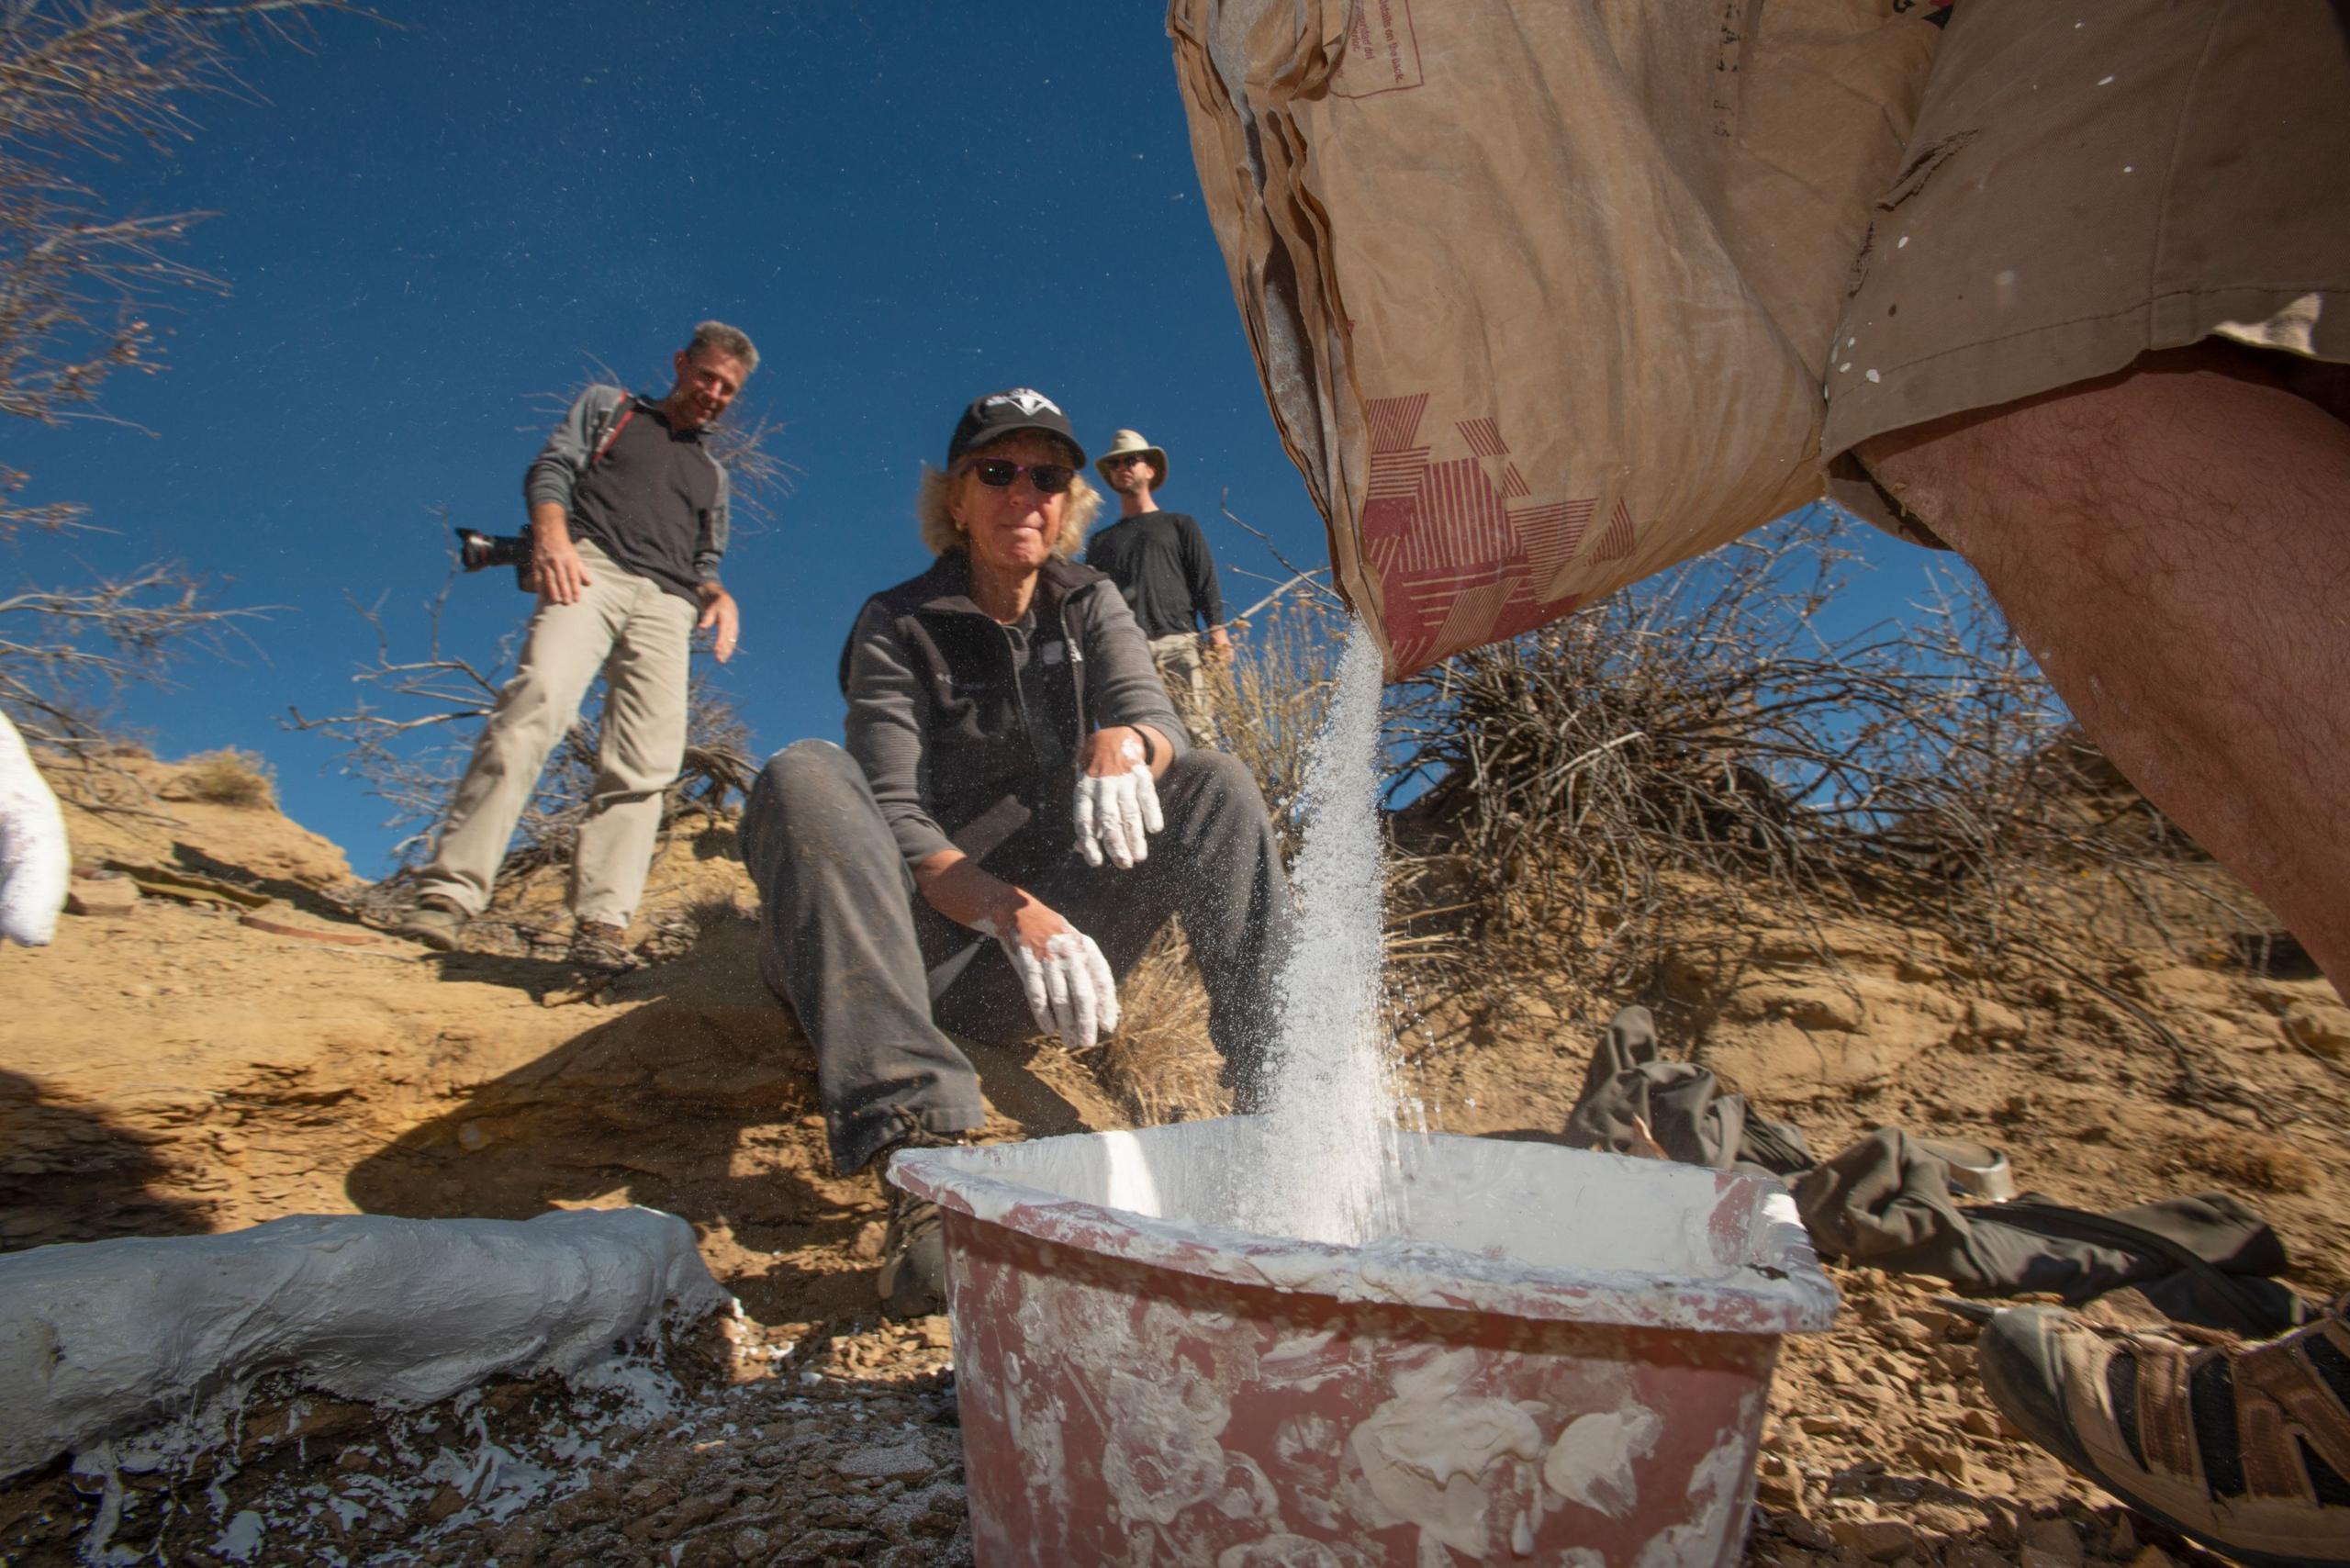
x=428 y=227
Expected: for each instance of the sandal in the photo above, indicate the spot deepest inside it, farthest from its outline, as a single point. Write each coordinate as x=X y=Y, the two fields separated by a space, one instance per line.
x=2241 y=1446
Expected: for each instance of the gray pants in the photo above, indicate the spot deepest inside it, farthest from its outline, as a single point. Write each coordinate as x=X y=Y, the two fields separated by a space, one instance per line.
x=878 y=977
x=641 y=636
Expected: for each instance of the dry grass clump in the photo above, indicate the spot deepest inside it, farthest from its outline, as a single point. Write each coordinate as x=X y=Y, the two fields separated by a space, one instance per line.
x=2246 y=1160
x=1270 y=700
x=1719 y=743
x=1713 y=723
x=229 y=777
x=1159 y=1066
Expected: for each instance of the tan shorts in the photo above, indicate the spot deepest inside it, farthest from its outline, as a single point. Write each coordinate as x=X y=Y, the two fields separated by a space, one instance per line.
x=2088 y=180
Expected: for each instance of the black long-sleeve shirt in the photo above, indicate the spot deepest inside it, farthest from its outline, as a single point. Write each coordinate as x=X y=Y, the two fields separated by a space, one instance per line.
x=1161 y=565
x=656 y=502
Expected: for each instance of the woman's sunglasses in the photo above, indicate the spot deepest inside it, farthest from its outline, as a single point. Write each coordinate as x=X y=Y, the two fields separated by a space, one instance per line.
x=998 y=473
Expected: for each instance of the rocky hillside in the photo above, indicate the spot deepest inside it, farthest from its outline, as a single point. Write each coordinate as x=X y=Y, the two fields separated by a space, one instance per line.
x=222 y=1039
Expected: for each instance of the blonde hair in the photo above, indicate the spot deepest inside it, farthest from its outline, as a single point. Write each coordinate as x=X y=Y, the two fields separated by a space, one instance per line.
x=933 y=500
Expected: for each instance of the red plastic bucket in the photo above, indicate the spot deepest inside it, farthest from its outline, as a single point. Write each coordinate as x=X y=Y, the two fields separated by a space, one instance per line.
x=1567 y=1358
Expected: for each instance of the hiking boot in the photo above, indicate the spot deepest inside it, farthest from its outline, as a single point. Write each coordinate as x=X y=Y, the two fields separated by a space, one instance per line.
x=602 y=949
x=436 y=921
x=2243 y=1446
x=913 y=1280
x=912 y=1277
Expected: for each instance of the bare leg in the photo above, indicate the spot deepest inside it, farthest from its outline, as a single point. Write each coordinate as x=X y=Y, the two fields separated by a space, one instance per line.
x=2173 y=544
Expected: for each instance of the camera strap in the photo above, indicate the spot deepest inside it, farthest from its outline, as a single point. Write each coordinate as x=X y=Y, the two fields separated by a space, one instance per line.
x=620 y=419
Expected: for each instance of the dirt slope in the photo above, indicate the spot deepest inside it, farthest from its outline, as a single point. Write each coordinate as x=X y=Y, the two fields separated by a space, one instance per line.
x=173 y=1068
x=190 y=1066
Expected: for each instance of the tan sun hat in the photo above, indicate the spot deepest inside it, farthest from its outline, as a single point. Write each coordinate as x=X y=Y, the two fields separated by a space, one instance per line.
x=1127 y=443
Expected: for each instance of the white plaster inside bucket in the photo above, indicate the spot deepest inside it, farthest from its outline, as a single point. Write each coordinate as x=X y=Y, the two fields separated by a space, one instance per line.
x=1522 y=1228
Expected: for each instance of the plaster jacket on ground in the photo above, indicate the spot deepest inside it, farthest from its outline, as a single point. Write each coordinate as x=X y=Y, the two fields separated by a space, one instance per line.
x=104 y=1339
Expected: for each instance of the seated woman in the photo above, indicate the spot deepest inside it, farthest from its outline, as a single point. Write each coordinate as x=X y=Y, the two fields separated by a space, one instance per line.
x=1016 y=814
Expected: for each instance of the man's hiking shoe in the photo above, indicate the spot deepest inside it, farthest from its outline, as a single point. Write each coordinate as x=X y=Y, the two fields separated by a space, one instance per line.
x=2241 y=1445
x=601 y=950
x=435 y=921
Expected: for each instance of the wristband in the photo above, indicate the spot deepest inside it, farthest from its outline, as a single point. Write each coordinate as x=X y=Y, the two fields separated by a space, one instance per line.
x=1149 y=752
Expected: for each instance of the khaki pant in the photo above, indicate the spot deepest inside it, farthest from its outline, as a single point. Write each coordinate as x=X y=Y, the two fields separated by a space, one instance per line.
x=2085 y=184
x=640 y=636
x=1183 y=671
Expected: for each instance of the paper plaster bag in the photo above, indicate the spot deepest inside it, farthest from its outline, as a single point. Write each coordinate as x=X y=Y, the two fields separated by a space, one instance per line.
x=1541 y=290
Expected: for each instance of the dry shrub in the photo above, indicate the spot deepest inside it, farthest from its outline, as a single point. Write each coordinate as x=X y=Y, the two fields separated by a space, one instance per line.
x=410 y=732
x=85 y=293
x=713 y=911
x=229 y=777
x=1704 y=728
x=680 y=928
x=1159 y=1066
x=1270 y=700
x=2246 y=1159
x=1696 y=722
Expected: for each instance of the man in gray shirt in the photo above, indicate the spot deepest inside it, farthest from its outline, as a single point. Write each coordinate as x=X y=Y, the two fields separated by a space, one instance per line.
x=627 y=522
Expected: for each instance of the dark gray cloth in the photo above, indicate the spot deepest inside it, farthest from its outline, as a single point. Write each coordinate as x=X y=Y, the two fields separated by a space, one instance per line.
x=878 y=979
x=1678 y=1101
x=1887 y=1201
x=1043 y=688
x=939 y=721
x=1160 y=562
x=656 y=502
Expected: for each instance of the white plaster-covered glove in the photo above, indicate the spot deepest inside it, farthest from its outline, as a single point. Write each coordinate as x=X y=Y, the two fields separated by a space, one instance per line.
x=1070 y=990
x=1117 y=812
x=34 y=862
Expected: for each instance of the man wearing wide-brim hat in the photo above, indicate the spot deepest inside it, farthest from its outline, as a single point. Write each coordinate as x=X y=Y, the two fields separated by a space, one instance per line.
x=1160 y=562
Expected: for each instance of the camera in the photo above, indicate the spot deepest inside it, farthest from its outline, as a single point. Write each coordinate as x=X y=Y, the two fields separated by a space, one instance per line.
x=478 y=550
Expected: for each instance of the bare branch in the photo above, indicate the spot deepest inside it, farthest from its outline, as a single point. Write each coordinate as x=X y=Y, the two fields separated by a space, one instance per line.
x=1296 y=572
x=758 y=475
x=65 y=653
x=409 y=730
x=80 y=79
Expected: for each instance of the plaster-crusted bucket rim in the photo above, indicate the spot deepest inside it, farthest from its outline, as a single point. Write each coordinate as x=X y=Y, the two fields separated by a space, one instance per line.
x=1778 y=1290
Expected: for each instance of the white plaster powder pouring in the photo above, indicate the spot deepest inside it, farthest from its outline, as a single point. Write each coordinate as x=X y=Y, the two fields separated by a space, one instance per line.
x=1326 y=1168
